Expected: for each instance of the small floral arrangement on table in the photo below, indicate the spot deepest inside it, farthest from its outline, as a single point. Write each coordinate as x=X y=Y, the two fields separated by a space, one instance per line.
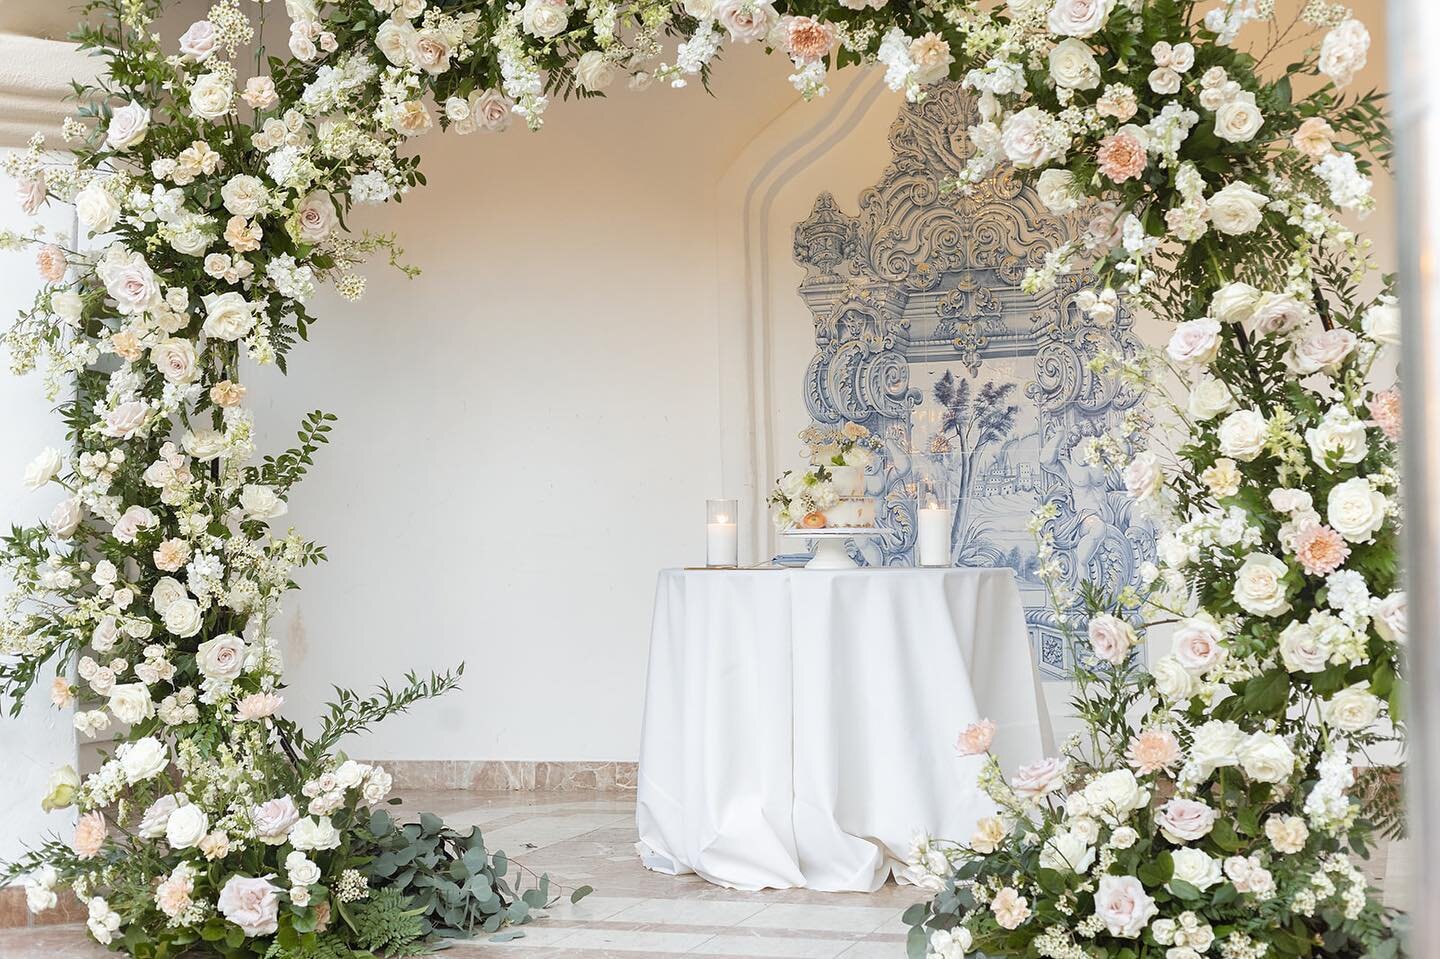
x=801 y=497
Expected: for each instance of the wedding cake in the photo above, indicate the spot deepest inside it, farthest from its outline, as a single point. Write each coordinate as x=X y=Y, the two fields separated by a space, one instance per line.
x=830 y=493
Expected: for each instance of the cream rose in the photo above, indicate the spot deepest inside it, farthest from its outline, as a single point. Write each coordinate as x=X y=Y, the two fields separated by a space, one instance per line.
x=131 y=703
x=1266 y=758
x=545 y=18
x=1356 y=510
x=142 y=759
x=1338 y=439
x=1234 y=302
x=1302 y=649
x=274 y=819
x=1173 y=682
x=167 y=592
x=1113 y=796
x=1209 y=397
x=128 y=126
x=1242 y=435
x=1066 y=852
x=1237 y=209
x=1238 y=119
x=315 y=217
x=313 y=833
x=1322 y=352
x=183 y=618
x=1079 y=18
x=1197 y=867
x=1260 y=587
x=395 y=39
x=1215 y=744
x=65 y=518
x=243 y=195
x=129 y=281
x=1276 y=314
x=1073 y=65
x=1389 y=618
x=1381 y=323
x=1058 y=191
x=96 y=209
x=431 y=51
x=211 y=96
x=492 y=111
x=747 y=21
x=1198 y=644
x=43 y=468
x=260 y=502
x=1143 y=476
x=228 y=316
x=186 y=826
x=1194 y=342
x=1353 y=709
x=175 y=359
x=1123 y=906
x=152 y=822
x=1026 y=140
x=1040 y=778
x=594 y=71
x=251 y=903
x=221 y=658
x=1111 y=638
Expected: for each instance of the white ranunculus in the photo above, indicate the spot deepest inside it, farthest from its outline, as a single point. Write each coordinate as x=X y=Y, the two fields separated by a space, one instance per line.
x=228 y=316
x=313 y=833
x=1067 y=852
x=211 y=96
x=1353 y=709
x=1237 y=209
x=1197 y=867
x=1058 y=191
x=1234 y=302
x=1260 y=585
x=1073 y=65
x=1344 y=51
x=65 y=518
x=183 y=618
x=1025 y=139
x=175 y=359
x=1242 y=435
x=156 y=815
x=1209 y=397
x=131 y=702
x=128 y=126
x=221 y=658
x=96 y=209
x=1339 y=438
x=1214 y=744
x=43 y=468
x=595 y=71
x=1266 y=758
x=1356 y=510
x=1194 y=342
x=143 y=758
x=1239 y=119
x=1382 y=323
x=1173 y=682
x=545 y=18
x=1302 y=649
x=1123 y=905
x=260 y=502
x=1113 y=796
x=1389 y=617
x=1079 y=18
x=243 y=195
x=186 y=826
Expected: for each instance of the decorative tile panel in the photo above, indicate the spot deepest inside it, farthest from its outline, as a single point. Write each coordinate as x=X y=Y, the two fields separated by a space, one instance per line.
x=923 y=334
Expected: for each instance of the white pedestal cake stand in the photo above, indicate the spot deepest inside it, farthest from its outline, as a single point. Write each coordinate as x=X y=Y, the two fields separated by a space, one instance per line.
x=830 y=552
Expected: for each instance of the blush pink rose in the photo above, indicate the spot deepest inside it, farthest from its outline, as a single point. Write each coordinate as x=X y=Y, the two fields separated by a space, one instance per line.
x=1197 y=645
x=1123 y=905
x=747 y=21
x=273 y=820
x=976 y=738
x=1111 y=638
x=198 y=42
x=252 y=903
x=1040 y=778
x=1323 y=351
x=125 y=419
x=1185 y=820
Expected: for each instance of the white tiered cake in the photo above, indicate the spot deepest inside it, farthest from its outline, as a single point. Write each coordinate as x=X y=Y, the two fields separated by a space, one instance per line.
x=855 y=510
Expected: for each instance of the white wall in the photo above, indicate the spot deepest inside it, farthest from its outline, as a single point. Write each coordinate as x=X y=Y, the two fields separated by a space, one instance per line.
x=42 y=737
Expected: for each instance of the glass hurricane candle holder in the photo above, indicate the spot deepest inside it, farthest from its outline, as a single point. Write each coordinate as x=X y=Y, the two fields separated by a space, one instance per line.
x=722 y=540
x=934 y=518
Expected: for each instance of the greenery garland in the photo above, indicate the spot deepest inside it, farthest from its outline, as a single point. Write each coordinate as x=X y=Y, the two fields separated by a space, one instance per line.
x=214 y=183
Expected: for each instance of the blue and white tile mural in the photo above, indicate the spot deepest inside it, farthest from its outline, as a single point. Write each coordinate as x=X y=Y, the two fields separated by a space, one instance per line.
x=923 y=334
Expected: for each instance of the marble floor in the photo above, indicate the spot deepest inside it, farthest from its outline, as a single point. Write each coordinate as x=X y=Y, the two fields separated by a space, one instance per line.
x=588 y=839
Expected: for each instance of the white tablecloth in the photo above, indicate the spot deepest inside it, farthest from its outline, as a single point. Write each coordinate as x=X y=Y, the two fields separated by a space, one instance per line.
x=800 y=724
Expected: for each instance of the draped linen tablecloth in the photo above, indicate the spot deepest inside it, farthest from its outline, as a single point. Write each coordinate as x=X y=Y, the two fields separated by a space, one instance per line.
x=800 y=725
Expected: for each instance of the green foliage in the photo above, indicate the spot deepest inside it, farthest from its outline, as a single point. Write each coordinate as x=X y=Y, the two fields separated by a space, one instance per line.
x=387 y=924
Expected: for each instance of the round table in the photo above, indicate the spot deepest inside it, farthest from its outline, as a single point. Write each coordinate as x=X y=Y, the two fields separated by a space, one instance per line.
x=800 y=724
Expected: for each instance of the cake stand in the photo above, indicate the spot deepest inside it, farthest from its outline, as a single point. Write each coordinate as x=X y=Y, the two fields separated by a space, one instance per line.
x=830 y=552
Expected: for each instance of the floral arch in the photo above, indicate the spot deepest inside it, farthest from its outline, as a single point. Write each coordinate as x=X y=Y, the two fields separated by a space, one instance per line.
x=213 y=183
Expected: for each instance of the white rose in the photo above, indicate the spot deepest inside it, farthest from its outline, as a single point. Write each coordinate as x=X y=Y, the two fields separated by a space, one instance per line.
x=747 y=21
x=210 y=97
x=1185 y=820
x=1198 y=644
x=228 y=316
x=1234 y=302
x=1215 y=744
x=1276 y=314
x=175 y=359
x=96 y=209
x=594 y=71
x=221 y=658
x=1209 y=397
x=198 y=42
x=493 y=111
x=128 y=125
x=243 y=195
x=311 y=833
x=1073 y=66
x=43 y=468
x=315 y=218
x=1344 y=51
x=131 y=702
x=1194 y=342
x=1242 y=435
x=273 y=820
x=1325 y=351
x=1196 y=867
x=1114 y=795
x=167 y=592
x=1173 y=682
x=129 y=280
x=1302 y=649
x=143 y=758
x=1024 y=139
x=1067 y=852
x=1123 y=905
x=302 y=871
x=1058 y=191
x=1266 y=758
x=186 y=826
x=65 y=518
x=1353 y=709
x=1356 y=510
x=1079 y=18
x=183 y=618
x=431 y=51
x=1111 y=638
x=1144 y=477
x=1260 y=585
x=1389 y=617
x=1339 y=438
x=1237 y=209
x=1238 y=119
x=260 y=502
x=1382 y=324
x=395 y=39
x=67 y=305
x=545 y=18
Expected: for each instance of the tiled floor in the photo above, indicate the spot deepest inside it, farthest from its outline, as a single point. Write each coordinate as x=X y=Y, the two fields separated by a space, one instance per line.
x=588 y=839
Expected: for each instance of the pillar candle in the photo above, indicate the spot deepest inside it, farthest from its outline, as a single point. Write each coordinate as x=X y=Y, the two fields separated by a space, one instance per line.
x=935 y=536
